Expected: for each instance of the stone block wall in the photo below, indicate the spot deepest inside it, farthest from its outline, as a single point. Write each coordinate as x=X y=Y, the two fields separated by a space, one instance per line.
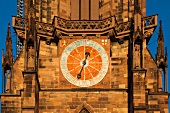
x=139 y=93
x=119 y=65
x=64 y=9
x=158 y=103
x=152 y=72
x=17 y=77
x=47 y=9
x=11 y=104
x=48 y=65
x=70 y=102
x=122 y=9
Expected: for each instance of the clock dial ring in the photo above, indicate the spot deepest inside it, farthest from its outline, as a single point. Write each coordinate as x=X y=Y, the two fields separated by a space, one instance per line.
x=96 y=65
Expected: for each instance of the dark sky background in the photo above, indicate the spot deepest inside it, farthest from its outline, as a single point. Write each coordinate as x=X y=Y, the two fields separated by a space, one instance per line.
x=8 y=8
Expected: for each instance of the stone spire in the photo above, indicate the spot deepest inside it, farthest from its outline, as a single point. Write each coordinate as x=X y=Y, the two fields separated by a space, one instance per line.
x=160 y=51
x=160 y=36
x=8 y=59
x=161 y=60
x=7 y=62
x=160 y=56
x=8 y=32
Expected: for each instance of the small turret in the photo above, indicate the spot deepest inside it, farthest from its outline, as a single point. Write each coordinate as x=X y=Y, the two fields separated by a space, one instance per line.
x=7 y=62
x=161 y=60
x=160 y=51
x=8 y=59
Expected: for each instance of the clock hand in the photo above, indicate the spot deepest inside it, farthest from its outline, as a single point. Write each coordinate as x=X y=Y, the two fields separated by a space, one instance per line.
x=87 y=54
x=84 y=63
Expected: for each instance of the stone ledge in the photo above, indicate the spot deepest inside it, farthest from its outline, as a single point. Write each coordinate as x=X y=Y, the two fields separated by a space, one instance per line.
x=158 y=93
x=84 y=89
x=28 y=107
x=9 y=94
x=140 y=107
x=29 y=72
x=139 y=69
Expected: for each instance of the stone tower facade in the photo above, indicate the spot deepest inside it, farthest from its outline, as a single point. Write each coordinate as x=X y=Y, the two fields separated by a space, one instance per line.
x=85 y=56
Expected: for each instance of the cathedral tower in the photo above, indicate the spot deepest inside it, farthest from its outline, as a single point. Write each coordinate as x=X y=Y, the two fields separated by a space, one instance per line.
x=86 y=56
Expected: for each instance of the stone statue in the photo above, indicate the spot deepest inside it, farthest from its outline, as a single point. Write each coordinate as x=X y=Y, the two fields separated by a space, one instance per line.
x=31 y=57
x=160 y=79
x=8 y=84
x=137 y=56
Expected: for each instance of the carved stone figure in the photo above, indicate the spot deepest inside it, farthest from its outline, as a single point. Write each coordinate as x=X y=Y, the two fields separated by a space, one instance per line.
x=137 y=56
x=31 y=56
x=8 y=76
x=160 y=79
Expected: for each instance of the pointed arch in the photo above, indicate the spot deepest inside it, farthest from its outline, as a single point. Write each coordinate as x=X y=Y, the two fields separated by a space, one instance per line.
x=84 y=108
x=7 y=67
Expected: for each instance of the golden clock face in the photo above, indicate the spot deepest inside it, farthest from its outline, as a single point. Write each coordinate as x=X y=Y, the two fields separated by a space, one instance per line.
x=84 y=63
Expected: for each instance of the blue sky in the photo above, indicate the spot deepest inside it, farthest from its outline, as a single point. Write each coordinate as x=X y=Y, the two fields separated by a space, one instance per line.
x=162 y=8
x=8 y=9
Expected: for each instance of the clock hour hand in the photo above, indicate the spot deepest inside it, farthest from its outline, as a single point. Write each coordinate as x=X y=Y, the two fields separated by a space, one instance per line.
x=84 y=63
x=87 y=54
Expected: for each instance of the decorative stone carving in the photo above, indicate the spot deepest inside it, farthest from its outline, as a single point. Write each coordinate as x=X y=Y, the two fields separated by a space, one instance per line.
x=98 y=35
x=90 y=24
x=148 y=33
x=48 y=41
x=31 y=56
x=137 y=56
x=160 y=71
x=63 y=43
x=58 y=34
x=21 y=34
x=8 y=84
x=138 y=34
x=121 y=41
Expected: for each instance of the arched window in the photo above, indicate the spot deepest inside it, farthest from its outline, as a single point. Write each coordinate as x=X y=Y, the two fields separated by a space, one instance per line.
x=84 y=110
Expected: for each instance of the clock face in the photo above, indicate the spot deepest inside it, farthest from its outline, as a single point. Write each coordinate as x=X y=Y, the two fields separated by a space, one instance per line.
x=84 y=63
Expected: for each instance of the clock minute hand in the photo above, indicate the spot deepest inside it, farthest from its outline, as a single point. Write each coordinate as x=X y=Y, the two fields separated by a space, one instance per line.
x=84 y=63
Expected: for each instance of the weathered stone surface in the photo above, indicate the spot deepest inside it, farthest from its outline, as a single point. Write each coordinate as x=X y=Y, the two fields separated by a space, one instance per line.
x=69 y=101
x=125 y=87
